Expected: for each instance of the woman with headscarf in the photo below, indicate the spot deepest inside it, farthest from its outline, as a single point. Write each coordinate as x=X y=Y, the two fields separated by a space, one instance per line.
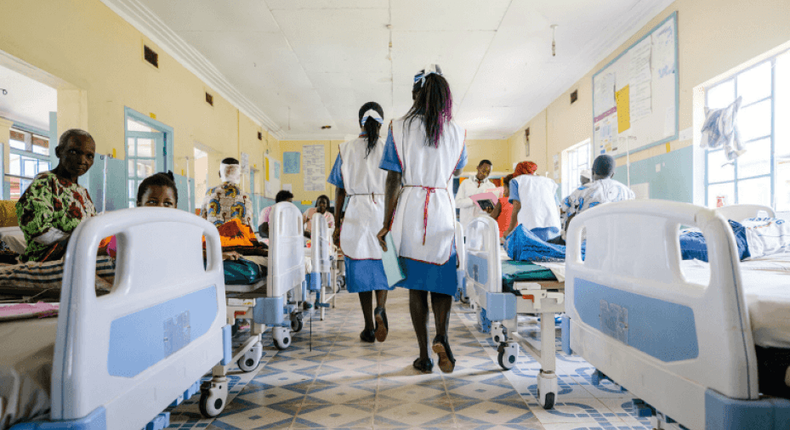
x=356 y=175
x=424 y=150
x=534 y=201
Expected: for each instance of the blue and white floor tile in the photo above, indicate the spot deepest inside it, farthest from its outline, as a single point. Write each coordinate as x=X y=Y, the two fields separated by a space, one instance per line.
x=336 y=381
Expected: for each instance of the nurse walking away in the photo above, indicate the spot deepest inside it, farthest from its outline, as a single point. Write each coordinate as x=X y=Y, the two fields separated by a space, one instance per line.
x=356 y=175
x=423 y=151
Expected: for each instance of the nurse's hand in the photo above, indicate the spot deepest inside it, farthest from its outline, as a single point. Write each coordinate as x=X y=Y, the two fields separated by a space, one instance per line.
x=336 y=237
x=382 y=234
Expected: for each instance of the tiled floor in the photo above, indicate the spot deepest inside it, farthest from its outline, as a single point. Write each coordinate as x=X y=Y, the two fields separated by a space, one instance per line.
x=343 y=383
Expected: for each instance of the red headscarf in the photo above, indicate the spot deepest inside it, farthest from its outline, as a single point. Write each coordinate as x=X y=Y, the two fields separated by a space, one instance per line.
x=525 y=168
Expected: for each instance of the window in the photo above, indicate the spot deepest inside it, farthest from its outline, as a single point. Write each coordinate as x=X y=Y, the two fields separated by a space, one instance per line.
x=574 y=160
x=761 y=175
x=142 y=144
x=28 y=156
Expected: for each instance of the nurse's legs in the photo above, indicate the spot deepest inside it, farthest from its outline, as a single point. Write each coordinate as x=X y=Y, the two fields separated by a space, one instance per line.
x=366 y=300
x=418 y=307
x=441 y=304
x=382 y=325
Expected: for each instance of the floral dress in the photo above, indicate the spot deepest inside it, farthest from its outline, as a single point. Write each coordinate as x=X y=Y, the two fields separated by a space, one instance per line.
x=224 y=202
x=51 y=202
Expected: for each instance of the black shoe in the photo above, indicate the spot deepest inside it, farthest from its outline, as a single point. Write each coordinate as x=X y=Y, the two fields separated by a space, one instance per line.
x=446 y=359
x=424 y=366
x=307 y=305
x=368 y=336
x=382 y=327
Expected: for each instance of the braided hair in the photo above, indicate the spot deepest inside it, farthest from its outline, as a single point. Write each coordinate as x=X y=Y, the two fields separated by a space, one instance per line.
x=433 y=105
x=371 y=126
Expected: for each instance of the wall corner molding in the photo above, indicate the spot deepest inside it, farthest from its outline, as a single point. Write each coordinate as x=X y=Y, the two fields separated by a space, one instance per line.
x=148 y=23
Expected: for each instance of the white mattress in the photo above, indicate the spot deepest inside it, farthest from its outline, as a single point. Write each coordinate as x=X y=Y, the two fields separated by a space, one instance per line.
x=766 y=285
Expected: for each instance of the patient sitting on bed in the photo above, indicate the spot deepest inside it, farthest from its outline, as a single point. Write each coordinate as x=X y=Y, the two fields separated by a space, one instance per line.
x=49 y=210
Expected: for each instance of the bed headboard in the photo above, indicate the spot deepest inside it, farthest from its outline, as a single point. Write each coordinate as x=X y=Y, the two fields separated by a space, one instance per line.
x=739 y=213
x=133 y=351
x=631 y=293
x=320 y=244
x=483 y=264
x=286 y=249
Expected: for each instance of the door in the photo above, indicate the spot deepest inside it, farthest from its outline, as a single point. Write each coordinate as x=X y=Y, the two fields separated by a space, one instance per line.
x=145 y=156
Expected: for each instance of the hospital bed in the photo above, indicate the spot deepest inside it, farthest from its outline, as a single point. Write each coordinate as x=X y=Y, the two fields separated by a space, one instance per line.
x=265 y=303
x=323 y=274
x=117 y=361
x=679 y=335
x=534 y=292
x=460 y=248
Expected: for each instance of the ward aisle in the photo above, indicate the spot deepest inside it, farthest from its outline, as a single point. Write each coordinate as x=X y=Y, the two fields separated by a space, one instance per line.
x=344 y=383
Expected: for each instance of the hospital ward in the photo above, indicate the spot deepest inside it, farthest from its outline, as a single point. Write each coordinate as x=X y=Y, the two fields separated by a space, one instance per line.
x=395 y=214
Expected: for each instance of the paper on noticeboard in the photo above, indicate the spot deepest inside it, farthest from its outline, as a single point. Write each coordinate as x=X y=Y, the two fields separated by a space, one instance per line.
x=623 y=110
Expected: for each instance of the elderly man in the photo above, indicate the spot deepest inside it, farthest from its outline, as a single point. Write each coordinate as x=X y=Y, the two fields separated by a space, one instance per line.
x=602 y=189
x=227 y=201
x=475 y=185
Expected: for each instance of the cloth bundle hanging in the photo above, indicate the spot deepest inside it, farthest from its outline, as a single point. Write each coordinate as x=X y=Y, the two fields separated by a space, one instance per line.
x=720 y=130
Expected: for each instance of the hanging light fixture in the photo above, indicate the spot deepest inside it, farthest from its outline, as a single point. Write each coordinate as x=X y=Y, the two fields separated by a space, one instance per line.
x=553 y=42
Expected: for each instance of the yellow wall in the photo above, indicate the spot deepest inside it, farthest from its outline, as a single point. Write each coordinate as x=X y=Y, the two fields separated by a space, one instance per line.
x=100 y=57
x=495 y=150
x=714 y=36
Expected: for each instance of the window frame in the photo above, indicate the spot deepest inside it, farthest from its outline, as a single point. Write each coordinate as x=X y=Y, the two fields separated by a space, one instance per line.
x=567 y=171
x=28 y=153
x=772 y=136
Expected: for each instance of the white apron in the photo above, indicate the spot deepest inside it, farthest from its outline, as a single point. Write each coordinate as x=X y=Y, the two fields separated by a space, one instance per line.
x=364 y=184
x=538 y=205
x=423 y=226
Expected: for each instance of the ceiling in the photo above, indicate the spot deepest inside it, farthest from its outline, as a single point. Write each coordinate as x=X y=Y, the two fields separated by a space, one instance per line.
x=297 y=65
x=26 y=101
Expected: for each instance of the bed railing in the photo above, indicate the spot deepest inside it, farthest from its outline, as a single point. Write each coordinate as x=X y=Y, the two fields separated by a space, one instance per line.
x=483 y=264
x=635 y=316
x=320 y=245
x=286 y=250
x=739 y=213
x=127 y=355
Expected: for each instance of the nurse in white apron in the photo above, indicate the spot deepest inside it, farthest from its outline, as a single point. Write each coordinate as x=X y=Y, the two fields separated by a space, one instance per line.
x=356 y=175
x=535 y=204
x=424 y=150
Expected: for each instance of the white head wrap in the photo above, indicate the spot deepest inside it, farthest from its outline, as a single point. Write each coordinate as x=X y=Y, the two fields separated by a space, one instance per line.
x=230 y=173
x=429 y=70
x=586 y=174
x=371 y=113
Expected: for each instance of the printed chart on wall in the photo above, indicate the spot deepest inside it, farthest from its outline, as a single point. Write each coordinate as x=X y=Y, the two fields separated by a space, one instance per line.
x=271 y=176
x=635 y=97
x=314 y=169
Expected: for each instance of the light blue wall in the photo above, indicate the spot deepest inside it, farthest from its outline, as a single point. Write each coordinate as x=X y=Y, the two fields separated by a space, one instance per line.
x=674 y=181
x=183 y=195
x=116 y=183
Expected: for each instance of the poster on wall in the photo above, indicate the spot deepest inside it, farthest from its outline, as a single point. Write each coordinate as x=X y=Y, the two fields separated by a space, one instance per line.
x=291 y=163
x=314 y=168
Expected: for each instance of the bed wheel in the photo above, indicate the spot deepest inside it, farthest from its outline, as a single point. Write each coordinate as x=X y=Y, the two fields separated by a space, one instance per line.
x=498 y=332
x=281 y=337
x=547 y=389
x=213 y=397
x=296 y=322
x=341 y=282
x=507 y=355
x=252 y=358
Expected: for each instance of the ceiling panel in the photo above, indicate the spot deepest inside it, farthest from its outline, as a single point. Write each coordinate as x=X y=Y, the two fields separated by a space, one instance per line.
x=321 y=59
x=214 y=15
x=448 y=15
x=26 y=100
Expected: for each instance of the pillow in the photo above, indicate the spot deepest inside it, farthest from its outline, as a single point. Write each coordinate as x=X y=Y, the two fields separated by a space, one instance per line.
x=8 y=213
